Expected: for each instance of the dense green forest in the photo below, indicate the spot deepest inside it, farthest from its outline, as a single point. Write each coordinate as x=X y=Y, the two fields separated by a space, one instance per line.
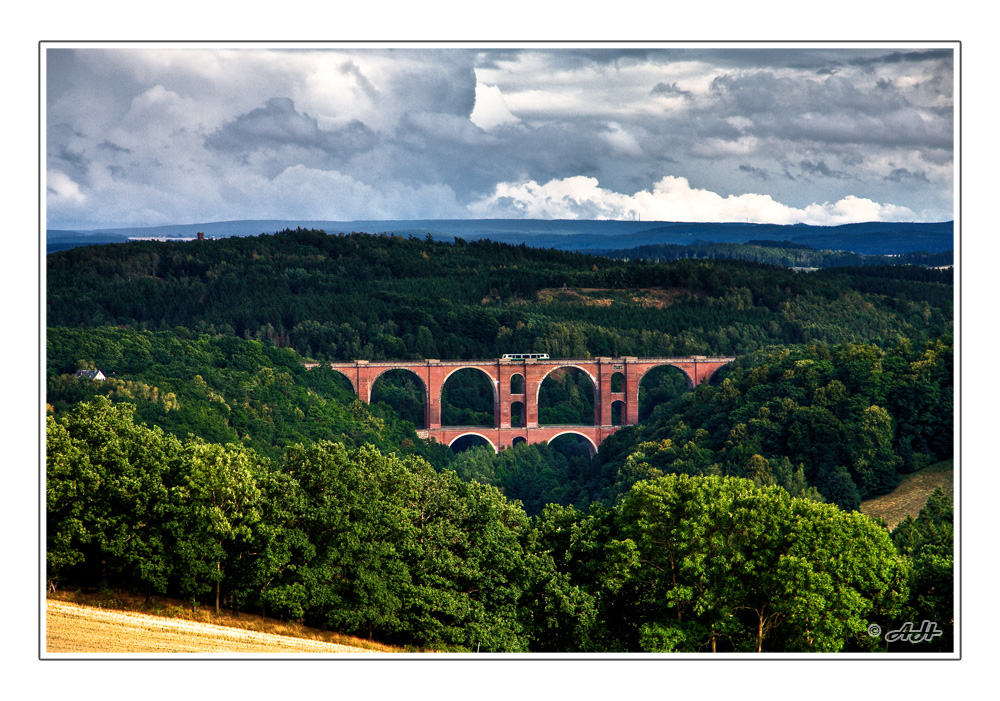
x=783 y=253
x=370 y=543
x=222 y=389
x=335 y=512
x=376 y=297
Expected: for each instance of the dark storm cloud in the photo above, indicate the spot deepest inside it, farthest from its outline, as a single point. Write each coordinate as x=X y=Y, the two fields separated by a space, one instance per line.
x=351 y=68
x=444 y=148
x=74 y=159
x=63 y=133
x=451 y=88
x=278 y=125
x=570 y=58
x=61 y=71
x=80 y=80
x=496 y=58
x=821 y=169
x=833 y=110
x=733 y=58
x=73 y=163
x=759 y=173
x=113 y=148
x=819 y=61
x=937 y=55
x=609 y=56
x=899 y=175
x=341 y=133
x=763 y=91
x=669 y=89
x=937 y=156
x=580 y=149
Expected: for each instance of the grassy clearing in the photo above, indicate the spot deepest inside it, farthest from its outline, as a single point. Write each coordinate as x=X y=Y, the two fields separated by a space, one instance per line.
x=655 y=297
x=121 y=622
x=910 y=496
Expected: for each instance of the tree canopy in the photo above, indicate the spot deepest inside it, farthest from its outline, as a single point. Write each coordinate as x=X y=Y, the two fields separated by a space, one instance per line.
x=388 y=547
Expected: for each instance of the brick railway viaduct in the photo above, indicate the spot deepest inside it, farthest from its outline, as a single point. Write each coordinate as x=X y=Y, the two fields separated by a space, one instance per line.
x=518 y=381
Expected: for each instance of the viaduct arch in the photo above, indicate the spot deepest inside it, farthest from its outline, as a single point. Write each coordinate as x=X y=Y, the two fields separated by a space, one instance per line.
x=624 y=390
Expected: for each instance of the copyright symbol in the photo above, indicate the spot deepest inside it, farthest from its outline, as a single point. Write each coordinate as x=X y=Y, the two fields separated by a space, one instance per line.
x=874 y=630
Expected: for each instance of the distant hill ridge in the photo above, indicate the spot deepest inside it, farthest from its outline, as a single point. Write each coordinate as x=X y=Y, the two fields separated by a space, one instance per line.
x=885 y=238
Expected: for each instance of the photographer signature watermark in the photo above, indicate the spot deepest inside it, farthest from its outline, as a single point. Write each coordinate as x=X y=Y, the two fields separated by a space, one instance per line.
x=907 y=633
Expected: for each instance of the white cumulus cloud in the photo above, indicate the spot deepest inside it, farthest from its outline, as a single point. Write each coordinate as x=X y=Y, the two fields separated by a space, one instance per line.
x=491 y=109
x=671 y=199
x=62 y=189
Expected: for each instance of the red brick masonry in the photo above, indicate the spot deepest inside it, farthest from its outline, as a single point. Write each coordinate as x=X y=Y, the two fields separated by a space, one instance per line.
x=433 y=373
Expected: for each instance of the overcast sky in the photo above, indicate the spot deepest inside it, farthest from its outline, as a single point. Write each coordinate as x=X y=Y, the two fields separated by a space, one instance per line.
x=164 y=135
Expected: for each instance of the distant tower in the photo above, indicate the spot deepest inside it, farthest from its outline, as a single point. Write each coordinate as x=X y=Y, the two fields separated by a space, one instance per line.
x=201 y=235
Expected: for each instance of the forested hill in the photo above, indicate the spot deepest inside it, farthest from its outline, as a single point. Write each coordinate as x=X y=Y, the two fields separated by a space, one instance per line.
x=372 y=297
x=784 y=253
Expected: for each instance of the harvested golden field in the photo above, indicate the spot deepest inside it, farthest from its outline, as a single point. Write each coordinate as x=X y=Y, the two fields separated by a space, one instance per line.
x=910 y=496
x=73 y=628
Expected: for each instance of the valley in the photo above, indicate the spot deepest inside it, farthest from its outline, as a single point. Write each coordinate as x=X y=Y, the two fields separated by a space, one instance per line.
x=342 y=512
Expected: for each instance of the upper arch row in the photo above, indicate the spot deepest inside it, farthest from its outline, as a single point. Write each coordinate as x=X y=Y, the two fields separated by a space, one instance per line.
x=434 y=374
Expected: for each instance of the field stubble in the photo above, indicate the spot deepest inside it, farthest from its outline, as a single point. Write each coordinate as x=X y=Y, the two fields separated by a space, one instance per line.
x=911 y=494
x=79 y=628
